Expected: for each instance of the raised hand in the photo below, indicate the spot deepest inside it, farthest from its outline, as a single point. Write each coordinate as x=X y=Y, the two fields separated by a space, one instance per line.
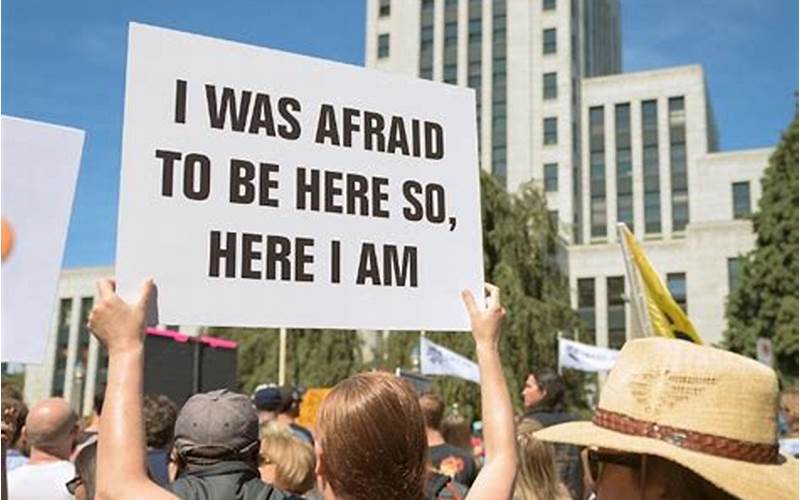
x=119 y=326
x=487 y=323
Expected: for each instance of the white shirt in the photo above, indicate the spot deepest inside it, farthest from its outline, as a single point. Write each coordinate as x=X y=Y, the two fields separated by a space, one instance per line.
x=37 y=482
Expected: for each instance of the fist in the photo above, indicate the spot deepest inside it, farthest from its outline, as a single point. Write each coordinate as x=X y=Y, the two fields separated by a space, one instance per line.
x=487 y=323
x=116 y=324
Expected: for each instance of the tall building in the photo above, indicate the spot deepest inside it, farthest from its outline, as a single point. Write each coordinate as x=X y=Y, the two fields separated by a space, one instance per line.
x=555 y=108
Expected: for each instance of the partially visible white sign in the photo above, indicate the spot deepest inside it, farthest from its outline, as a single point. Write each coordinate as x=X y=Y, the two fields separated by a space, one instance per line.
x=585 y=357
x=439 y=360
x=39 y=169
x=261 y=188
x=764 y=351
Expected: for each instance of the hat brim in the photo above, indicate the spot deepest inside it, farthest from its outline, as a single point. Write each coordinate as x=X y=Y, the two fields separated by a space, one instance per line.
x=740 y=478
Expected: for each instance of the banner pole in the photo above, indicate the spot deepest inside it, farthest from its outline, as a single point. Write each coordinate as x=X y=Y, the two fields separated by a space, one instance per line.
x=282 y=357
x=558 y=352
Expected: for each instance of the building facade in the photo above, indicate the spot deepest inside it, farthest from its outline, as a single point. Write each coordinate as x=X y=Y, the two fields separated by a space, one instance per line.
x=554 y=108
x=76 y=365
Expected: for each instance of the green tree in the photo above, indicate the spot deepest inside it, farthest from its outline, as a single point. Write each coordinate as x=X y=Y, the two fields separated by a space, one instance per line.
x=314 y=358
x=765 y=302
x=521 y=249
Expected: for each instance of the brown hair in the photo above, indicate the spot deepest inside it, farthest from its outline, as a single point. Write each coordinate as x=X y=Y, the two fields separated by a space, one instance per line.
x=457 y=431
x=432 y=409
x=537 y=477
x=372 y=435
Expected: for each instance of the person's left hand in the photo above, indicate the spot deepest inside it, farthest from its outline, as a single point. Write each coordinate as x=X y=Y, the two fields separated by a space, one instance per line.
x=119 y=326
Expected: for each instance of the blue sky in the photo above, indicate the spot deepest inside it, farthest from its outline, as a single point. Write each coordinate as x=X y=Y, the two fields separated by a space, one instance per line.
x=64 y=63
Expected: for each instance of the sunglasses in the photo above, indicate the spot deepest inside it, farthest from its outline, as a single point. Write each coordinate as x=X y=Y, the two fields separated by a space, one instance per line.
x=597 y=458
x=72 y=484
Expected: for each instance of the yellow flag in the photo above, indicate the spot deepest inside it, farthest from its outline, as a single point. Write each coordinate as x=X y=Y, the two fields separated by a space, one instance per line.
x=664 y=316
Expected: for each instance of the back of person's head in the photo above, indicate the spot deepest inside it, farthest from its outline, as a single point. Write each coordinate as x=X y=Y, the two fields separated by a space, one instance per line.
x=292 y=460
x=554 y=389
x=86 y=470
x=19 y=412
x=456 y=431
x=217 y=426
x=372 y=439
x=292 y=398
x=537 y=478
x=160 y=413
x=51 y=426
x=432 y=410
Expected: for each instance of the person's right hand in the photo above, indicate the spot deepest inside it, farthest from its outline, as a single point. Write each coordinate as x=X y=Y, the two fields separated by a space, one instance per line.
x=118 y=325
x=487 y=323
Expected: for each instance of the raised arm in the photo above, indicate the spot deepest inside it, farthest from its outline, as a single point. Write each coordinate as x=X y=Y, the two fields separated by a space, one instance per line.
x=121 y=455
x=496 y=479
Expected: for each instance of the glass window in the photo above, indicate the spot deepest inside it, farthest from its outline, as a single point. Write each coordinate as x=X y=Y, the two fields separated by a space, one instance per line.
x=549 y=86
x=550 y=131
x=551 y=177
x=677 y=155
x=652 y=200
x=549 y=41
x=62 y=346
x=734 y=269
x=597 y=171
x=615 y=290
x=498 y=89
x=622 y=126
x=676 y=283
x=426 y=40
x=548 y=4
x=385 y=8
x=586 y=306
x=383 y=45
x=741 y=200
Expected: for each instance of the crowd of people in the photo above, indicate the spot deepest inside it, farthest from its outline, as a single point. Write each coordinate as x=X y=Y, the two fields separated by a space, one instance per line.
x=674 y=420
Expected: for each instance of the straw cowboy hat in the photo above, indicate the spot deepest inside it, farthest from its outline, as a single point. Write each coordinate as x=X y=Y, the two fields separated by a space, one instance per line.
x=709 y=410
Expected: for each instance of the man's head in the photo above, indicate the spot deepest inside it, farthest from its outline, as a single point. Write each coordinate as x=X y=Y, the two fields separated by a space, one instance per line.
x=432 y=410
x=292 y=397
x=544 y=391
x=269 y=401
x=160 y=413
x=51 y=426
x=680 y=420
x=217 y=426
x=14 y=414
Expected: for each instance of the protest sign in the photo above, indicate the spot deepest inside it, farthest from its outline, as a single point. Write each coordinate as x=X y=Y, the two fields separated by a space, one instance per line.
x=261 y=188
x=312 y=398
x=585 y=357
x=439 y=360
x=39 y=169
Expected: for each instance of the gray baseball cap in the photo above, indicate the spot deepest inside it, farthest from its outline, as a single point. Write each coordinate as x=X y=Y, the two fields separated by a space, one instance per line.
x=216 y=424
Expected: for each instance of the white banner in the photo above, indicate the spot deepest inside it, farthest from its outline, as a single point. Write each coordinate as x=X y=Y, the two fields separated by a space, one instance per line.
x=39 y=168
x=585 y=357
x=261 y=188
x=439 y=360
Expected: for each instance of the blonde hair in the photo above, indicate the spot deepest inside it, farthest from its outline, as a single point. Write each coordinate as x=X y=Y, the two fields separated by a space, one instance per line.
x=293 y=459
x=372 y=435
x=537 y=478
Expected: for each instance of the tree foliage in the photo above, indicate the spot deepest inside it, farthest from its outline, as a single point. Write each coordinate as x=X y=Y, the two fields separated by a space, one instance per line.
x=314 y=358
x=765 y=302
x=520 y=248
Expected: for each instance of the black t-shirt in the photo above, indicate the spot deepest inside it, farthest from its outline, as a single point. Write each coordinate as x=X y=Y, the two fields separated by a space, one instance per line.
x=454 y=462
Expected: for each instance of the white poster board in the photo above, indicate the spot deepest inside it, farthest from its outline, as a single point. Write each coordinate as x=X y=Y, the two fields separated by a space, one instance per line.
x=585 y=357
x=261 y=188
x=39 y=170
x=436 y=359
